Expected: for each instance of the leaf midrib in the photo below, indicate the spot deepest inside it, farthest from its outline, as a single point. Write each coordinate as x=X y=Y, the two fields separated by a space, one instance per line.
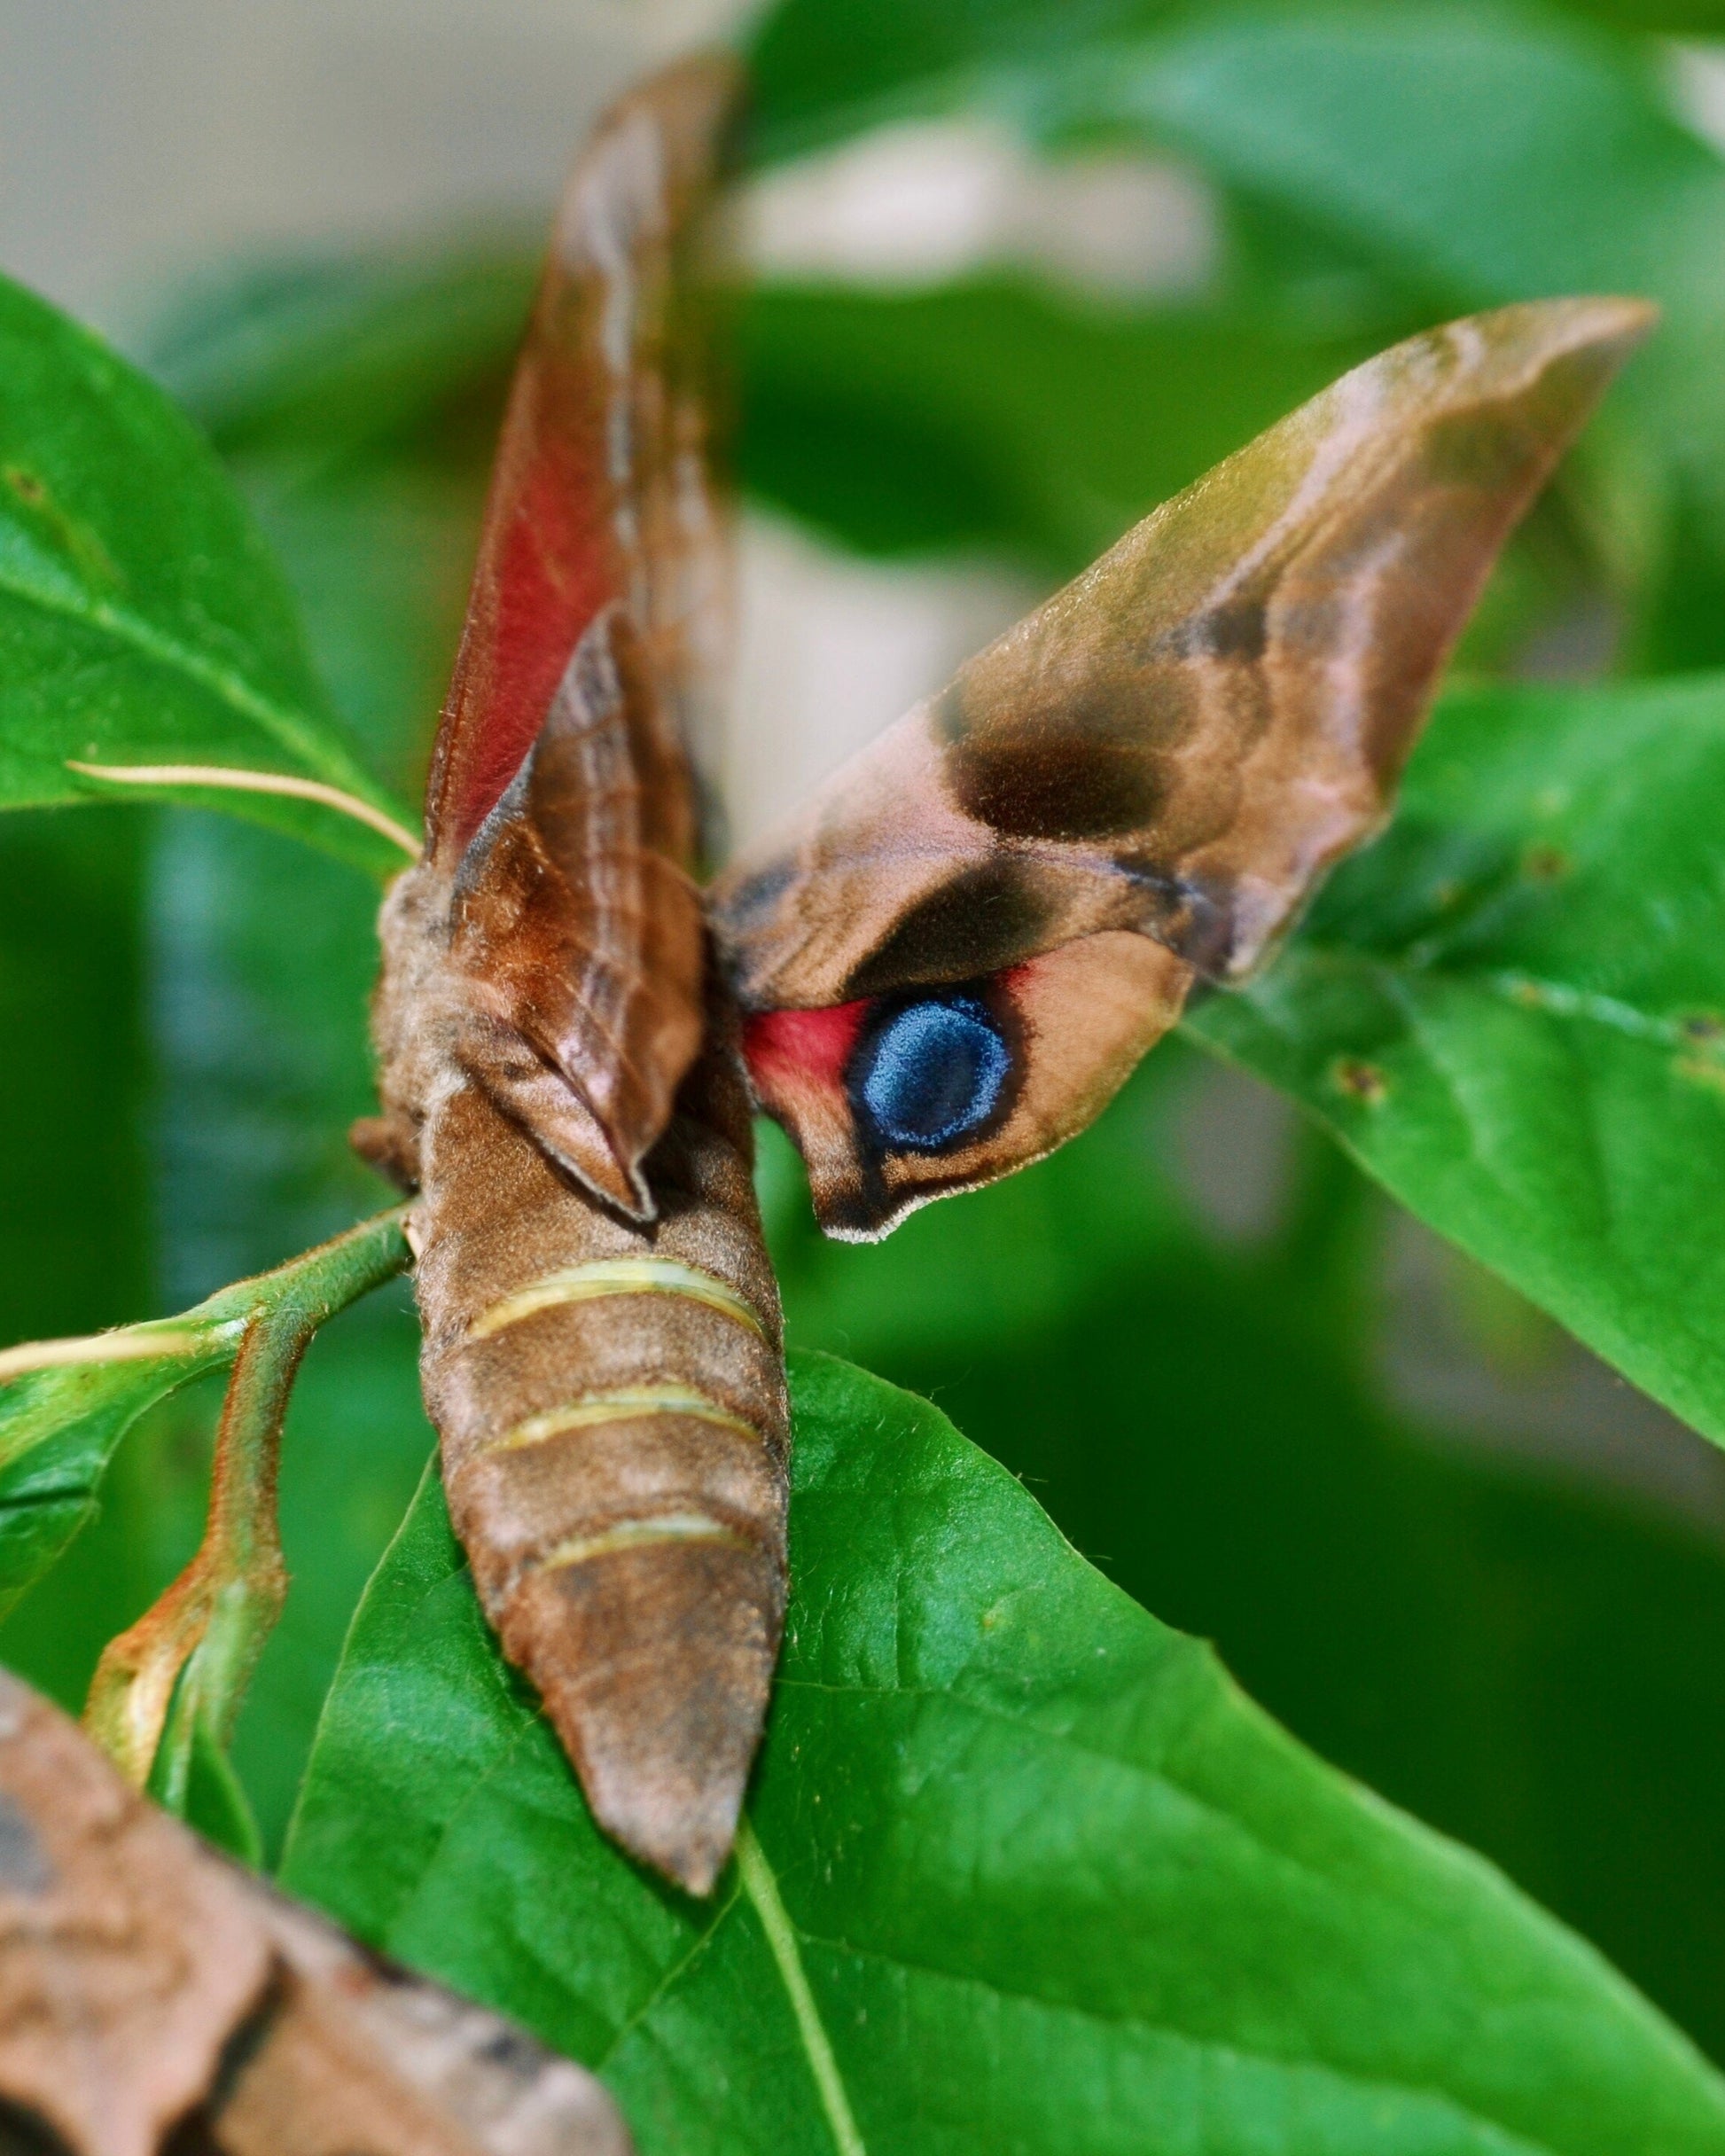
x=1514 y=2143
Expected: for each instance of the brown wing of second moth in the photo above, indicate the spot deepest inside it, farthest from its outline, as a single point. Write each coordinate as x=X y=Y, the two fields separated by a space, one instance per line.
x=152 y=1993
x=1177 y=746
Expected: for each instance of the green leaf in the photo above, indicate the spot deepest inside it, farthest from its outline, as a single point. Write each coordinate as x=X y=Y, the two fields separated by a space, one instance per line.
x=215 y=1801
x=355 y=398
x=64 y=1405
x=353 y=1446
x=320 y=361
x=1576 y=179
x=143 y=625
x=74 y=1104
x=824 y=68
x=1024 y=1870
x=1512 y=1010
x=59 y=1428
x=1476 y=1583
x=74 y=1184
x=989 y=414
x=1348 y=116
x=821 y=69
x=264 y=960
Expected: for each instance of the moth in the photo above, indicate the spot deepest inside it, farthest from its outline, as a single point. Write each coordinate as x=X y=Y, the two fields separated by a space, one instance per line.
x=154 y=1994
x=942 y=972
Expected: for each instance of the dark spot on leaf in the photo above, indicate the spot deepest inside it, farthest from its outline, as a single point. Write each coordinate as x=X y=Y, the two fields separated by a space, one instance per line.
x=74 y=538
x=1545 y=864
x=1705 y=1027
x=1360 y=1082
x=983 y=920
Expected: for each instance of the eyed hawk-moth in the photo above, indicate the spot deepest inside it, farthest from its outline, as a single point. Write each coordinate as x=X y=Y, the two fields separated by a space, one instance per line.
x=943 y=972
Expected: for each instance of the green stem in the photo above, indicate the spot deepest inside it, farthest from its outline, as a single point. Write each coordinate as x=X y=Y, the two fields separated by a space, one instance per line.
x=189 y=1660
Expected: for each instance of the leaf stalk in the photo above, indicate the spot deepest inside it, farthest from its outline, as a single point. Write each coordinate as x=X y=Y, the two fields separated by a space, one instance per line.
x=187 y=1662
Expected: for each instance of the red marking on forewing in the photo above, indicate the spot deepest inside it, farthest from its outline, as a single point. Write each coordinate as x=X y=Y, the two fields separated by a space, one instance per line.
x=789 y=1052
x=548 y=563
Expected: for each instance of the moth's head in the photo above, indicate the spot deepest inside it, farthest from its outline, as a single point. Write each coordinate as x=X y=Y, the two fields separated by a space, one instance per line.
x=898 y=1098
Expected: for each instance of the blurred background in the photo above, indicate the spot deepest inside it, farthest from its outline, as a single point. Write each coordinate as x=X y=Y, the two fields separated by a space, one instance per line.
x=1019 y=271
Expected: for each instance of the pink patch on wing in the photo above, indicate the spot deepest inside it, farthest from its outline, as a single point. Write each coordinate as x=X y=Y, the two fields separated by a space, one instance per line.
x=791 y=1052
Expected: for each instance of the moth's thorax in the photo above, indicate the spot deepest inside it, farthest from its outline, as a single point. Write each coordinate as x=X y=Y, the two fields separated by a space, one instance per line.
x=415 y=1019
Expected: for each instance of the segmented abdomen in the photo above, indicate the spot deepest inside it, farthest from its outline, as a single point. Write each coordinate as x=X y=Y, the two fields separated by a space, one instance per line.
x=611 y=1402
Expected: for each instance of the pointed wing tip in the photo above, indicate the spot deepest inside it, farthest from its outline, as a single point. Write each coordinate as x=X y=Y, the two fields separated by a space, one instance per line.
x=1613 y=325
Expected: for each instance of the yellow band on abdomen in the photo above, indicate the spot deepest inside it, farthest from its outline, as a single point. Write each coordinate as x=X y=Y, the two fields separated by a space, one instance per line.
x=626 y=1404
x=636 y=1535
x=607 y=1276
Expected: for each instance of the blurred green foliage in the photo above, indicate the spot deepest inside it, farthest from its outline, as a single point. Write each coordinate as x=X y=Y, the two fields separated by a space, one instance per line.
x=1528 y=1660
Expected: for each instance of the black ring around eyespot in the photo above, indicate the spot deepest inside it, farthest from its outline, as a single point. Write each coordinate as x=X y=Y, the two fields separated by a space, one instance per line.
x=930 y=1072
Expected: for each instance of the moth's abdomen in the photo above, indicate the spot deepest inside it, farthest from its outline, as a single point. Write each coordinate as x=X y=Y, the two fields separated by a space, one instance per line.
x=614 y=1433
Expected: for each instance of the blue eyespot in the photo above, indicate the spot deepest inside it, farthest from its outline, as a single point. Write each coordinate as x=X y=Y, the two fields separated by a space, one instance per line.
x=933 y=1074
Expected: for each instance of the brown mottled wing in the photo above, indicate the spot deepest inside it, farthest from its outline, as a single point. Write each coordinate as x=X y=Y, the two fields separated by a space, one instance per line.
x=149 y=1986
x=558 y=806
x=1171 y=752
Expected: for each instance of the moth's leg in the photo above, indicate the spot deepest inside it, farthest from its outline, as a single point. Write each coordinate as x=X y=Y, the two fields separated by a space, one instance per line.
x=187 y=1657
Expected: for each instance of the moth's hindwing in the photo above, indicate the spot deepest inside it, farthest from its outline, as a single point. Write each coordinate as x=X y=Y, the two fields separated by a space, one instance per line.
x=957 y=955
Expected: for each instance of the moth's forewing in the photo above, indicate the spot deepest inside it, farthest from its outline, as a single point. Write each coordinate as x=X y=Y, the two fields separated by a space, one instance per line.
x=1176 y=747
x=149 y=1988
x=600 y=491
x=576 y=929
x=559 y=811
